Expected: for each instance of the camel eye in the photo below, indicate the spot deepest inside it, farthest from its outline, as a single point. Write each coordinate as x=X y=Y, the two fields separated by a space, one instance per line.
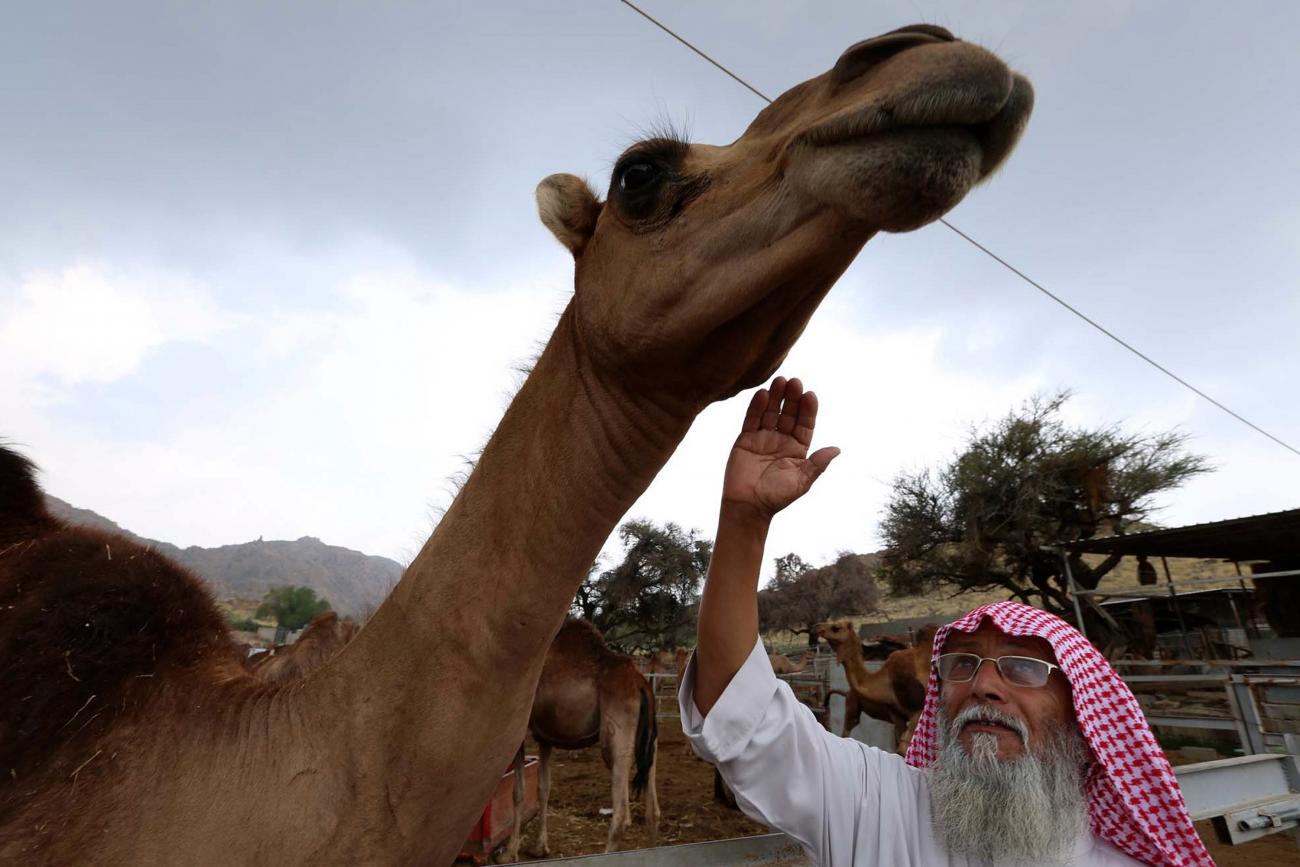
x=648 y=187
x=637 y=177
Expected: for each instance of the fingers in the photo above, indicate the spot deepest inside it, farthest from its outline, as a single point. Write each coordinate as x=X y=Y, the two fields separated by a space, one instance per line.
x=817 y=463
x=821 y=459
x=807 y=419
x=790 y=406
x=754 y=414
x=783 y=407
x=772 y=411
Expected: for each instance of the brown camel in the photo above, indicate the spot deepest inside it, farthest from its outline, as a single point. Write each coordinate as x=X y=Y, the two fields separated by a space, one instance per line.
x=883 y=646
x=589 y=694
x=319 y=641
x=132 y=731
x=781 y=663
x=895 y=693
x=658 y=662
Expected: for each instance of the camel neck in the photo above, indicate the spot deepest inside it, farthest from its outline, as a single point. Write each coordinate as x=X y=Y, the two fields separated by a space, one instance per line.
x=850 y=656
x=568 y=459
x=476 y=610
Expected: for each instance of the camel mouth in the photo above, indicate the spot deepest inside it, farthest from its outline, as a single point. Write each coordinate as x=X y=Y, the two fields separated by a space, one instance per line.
x=992 y=117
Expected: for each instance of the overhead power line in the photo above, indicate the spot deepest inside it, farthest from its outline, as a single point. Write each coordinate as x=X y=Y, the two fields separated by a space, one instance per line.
x=995 y=257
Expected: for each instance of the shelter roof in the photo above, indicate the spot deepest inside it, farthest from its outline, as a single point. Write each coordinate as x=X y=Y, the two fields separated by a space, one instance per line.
x=1273 y=537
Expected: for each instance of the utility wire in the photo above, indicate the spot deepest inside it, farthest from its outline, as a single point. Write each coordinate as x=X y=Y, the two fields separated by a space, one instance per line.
x=995 y=257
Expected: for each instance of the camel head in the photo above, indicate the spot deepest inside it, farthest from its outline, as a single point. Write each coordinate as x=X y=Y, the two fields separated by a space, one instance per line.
x=837 y=633
x=703 y=265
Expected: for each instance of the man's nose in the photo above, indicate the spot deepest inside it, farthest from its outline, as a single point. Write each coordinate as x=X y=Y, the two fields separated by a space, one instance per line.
x=988 y=684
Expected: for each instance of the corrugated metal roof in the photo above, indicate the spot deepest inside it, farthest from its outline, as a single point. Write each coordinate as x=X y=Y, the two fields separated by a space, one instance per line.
x=1274 y=536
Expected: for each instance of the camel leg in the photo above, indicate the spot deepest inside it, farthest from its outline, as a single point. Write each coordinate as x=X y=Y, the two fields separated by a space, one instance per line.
x=511 y=854
x=621 y=755
x=902 y=733
x=652 y=805
x=907 y=735
x=542 y=849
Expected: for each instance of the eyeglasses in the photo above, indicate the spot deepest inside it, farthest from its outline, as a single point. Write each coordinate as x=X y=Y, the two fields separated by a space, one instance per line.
x=1016 y=670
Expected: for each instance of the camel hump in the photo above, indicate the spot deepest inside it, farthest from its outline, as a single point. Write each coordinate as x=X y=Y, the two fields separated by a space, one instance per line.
x=22 y=505
x=320 y=626
x=581 y=637
x=93 y=625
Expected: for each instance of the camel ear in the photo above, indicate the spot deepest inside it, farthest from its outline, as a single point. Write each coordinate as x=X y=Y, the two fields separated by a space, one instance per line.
x=569 y=209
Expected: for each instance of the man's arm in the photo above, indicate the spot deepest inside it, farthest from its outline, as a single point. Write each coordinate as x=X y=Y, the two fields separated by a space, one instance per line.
x=728 y=625
x=768 y=469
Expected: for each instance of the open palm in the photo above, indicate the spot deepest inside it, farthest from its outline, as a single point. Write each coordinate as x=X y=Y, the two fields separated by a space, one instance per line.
x=769 y=466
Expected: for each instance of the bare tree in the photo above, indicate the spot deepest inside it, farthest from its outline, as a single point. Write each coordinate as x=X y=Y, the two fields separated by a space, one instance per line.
x=799 y=596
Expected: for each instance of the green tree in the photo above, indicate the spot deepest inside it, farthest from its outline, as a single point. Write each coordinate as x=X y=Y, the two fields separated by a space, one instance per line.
x=648 y=601
x=800 y=596
x=1028 y=481
x=292 y=607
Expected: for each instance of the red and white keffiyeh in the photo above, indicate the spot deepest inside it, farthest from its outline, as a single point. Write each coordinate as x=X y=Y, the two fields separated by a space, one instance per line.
x=1133 y=797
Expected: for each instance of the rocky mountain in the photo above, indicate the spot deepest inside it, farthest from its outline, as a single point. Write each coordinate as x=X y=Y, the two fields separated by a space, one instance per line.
x=353 y=582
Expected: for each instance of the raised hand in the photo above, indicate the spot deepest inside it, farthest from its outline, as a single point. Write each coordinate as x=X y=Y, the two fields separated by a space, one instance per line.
x=769 y=466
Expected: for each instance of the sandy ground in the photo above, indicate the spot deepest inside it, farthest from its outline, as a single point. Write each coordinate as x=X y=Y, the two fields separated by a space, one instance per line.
x=580 y=788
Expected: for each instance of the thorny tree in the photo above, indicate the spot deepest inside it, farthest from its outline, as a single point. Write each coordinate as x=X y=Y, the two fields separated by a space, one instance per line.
x=1028 y=481
x=648 y=601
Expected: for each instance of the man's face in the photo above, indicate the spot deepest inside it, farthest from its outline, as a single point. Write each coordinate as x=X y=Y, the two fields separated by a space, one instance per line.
x=1039 y=708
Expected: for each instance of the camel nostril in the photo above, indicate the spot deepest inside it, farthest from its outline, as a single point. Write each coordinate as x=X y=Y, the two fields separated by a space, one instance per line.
x=863 y=56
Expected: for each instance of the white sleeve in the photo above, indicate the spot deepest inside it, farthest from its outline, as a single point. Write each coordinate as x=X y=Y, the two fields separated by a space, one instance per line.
x=785 y=768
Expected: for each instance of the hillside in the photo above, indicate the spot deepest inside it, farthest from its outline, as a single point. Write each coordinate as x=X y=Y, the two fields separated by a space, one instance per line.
x=353 y=582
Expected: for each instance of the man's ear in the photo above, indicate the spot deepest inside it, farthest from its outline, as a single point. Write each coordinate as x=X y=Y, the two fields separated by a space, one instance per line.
x=569 y=209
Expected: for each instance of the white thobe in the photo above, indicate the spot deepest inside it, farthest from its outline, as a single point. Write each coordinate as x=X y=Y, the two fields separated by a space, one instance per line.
x=845 y=802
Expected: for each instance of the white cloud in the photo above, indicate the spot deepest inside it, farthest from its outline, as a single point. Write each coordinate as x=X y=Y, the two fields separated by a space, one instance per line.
x=886 y=400
x=366 y=407
x=88 y=323
x=338 y=403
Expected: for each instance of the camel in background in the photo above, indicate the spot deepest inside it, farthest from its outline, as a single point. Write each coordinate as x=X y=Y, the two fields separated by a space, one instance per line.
x=781 y=663
x=589 y=694
x=319 y=642
x=145 y=735
x=880 y=648
x=895 y=693
x=656 y=662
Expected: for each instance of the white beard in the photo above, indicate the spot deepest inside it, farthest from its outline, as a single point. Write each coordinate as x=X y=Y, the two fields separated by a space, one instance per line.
x=1031 y=809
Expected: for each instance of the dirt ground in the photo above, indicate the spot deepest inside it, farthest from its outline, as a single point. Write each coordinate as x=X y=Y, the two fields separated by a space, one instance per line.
x=580 y=788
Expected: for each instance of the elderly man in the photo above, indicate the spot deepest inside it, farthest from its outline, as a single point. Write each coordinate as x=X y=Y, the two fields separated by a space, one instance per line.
x=1030 y=750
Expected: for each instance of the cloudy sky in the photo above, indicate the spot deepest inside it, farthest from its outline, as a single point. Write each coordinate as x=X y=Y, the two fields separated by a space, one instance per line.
x=246 y=247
